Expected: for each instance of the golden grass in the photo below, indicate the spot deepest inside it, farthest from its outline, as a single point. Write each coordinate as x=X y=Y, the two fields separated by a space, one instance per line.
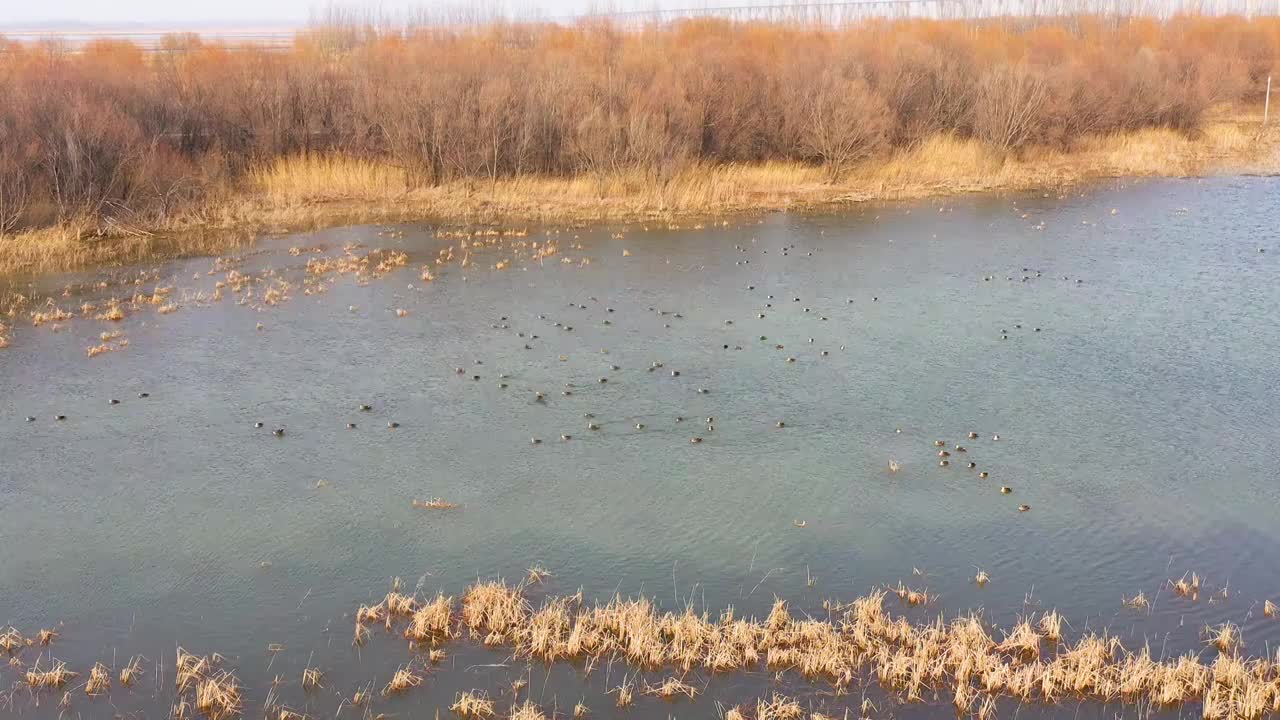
x=1033 y=661
x=527 y=711
x=472 y=705
x=1269 y=609
x=403 y=680
x=52 y=679
x=11 y=641
x=131 y=671
x=99 y=680
x=311 y=191
x=672 y=688
x=311 y=678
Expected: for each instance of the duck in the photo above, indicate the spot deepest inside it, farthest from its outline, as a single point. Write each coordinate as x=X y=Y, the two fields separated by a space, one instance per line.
x=939 y=443
x=535 y=441
x=351 y=426
x=971 y=465
x=278 y=432
x=639 y=426
x=1005 y=490
x=566 y=438
x=393 y=425
x=943 y=453
x=695 y=440
x=961 y=448
x=944 y=463
x=780 y=424
x=592 y=426
x=60 y=417
x=984 y=474
x=113 y=401
x=144 y=395
x=973 y=435
x=1023 y=508
x=31 y=418
x=995 y=437
x=258 y=425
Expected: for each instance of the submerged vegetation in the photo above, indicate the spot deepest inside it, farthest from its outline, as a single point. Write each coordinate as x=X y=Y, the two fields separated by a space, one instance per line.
x=548 y=122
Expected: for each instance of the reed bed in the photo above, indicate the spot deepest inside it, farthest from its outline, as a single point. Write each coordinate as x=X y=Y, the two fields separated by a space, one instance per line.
x=965 y=656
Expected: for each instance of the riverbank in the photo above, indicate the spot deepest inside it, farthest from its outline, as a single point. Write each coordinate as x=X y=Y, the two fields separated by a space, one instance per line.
x=311 y=192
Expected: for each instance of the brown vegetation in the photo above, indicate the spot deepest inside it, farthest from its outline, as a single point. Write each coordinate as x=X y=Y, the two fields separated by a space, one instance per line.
x=695 y=116
x=1032 y=663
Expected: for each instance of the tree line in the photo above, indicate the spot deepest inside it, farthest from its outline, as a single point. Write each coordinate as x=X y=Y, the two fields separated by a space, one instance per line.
x=112 y=131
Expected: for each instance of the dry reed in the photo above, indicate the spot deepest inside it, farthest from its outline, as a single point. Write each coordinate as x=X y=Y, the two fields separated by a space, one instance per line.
x=471 y=705
x=527 y=711
x=99 y=680
x=55 y=677
x=131 y=671
x=403 y=680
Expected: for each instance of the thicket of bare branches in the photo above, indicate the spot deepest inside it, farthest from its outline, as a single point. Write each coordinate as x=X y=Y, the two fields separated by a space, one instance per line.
x=110 y=132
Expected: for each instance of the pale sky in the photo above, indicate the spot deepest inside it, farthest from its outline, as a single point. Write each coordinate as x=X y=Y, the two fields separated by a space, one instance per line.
x=16 y=12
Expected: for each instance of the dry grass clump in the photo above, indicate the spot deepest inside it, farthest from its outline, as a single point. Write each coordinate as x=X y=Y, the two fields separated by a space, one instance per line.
x=1225 y=637
x=403 y=680
x=217 y=693
x=1137 y=602
x=99 y=680
x=131 y=671
x=1031 y=662
x=672 y=688
x=1269 y=609
x=779 y=707
x=311 y=678
x=1183 y=587
x=580 y=711
x=911 y=597
x=46 y=636
x=626 y=695
x=536 y=575
x=527 y=711
x=218 y=696
x=11 y=641
x=982 y=578
x=1051 y=625
x=431 y=621
x=494 y=607
x=55 y=677
x=472 y=705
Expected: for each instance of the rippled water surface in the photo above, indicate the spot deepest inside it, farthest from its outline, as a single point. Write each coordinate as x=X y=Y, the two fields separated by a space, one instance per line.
x=1124 y=350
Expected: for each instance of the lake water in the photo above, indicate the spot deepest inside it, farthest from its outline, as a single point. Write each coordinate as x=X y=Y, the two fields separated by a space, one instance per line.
x=1124 y=349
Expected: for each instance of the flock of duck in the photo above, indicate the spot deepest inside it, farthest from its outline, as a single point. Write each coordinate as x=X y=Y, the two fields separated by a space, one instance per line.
x=764 y=305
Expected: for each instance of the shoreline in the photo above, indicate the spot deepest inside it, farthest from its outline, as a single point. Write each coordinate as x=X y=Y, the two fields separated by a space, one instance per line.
x=304 y=194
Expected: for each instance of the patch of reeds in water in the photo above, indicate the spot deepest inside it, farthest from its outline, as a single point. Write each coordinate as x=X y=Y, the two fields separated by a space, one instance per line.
x=403 y=680
x=99 y=680
x=131 y=671
x=216 y=692
x=1033 y=661
x=52 y=679
x=473 y=705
